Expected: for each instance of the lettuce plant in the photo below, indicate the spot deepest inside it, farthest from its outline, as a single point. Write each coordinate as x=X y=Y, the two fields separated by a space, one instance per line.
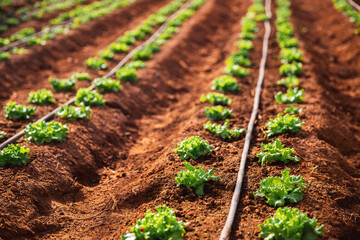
x=274 y=152
x=216 y=98
x=236 y=70
x=74 y=113
x=127 y=74
x=289 y=43
x=62 y=85
x=291 y=96
x=45 y=132
x=290 y=55
x=290 y=223
x=290 y=81
x=240 y=59
x=14 y=155
x=96 y=63
x=159 y=225
x=41 y=97
x=195 y=178
x=88 y=97
x=291 y=69
x=106 y=54
x=83 y=76
x=283 y=124
x=16 y=111
x=245 y=45
x=218 y=113
x=226 y=84
x=136 y=64
x=223 y=130
x=292 y=110
x=19 y=51
x=277 y=190
x=118 y=47
x=107 y=85
x=4 y=56
x=143 y=54
x=193 y=148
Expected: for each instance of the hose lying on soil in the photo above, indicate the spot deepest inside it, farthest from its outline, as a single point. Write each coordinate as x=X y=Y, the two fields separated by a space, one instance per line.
x=236 y=197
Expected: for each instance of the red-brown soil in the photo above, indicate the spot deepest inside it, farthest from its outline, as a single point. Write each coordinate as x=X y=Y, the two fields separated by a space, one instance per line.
x=329 y=143
x=121 y=162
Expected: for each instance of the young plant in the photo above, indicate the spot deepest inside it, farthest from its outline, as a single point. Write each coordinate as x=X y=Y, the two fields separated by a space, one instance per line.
x=226 y=84
x=107 y=85
x=4 y=56
x=14 y=155
x=289 y=43
x=292 y=110
x=223 y=130
x=290 y=55
x=127 y=74
x=45 y=132
x=291 y=69
x=16 y=111
x=96 y=63
x=283 y=124
x=41 y=97
x=216 y=98
x=195 y=178
x=277 y=190
x=274 y=152
x=245 y=45
x=136 y=64
x=107 y=54
x=74 y=113
x=218 y=113
x=159 y=225
x=290 y=223
x=62 y=85
x=238 y=59
x=193 y=148
x=291 y=81
x=83 y=76
x=89 y=97
x=118 y=47
x=236 y=70
x=291 y=96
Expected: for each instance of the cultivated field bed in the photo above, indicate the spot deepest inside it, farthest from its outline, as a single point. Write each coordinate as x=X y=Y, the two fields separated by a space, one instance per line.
x=121 y=162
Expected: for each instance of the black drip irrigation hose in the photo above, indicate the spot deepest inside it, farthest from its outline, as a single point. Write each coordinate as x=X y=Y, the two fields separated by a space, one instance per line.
x=51 y=115
x=236 y=196
x=354 y=4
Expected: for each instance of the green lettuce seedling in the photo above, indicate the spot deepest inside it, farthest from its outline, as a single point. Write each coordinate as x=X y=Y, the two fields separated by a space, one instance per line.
x=14 y=155
x=283 y=124
x=83 y=76
x=62 y=85
x=291 y=81
x=226 y=84
x=16 y=111
x=292 y=110
x=290 y=223
x=107 y=54
x=136 y=64
x=290 y=55
x=195 y=178
x=223 y=130
x=193 y=148
x=96 y=63
x=159 y=225
x=74 y=113
x=2 y=134
x=41 y=97
x=291 y=96
x=88 y=97
x=127 y=74
x=274 y=152
x=107 y=85
x=118 y=47
x=216 y=98
x=291 y=69
x=277 y=190
x=236 y=70
x=218 y=113
x=45 y=132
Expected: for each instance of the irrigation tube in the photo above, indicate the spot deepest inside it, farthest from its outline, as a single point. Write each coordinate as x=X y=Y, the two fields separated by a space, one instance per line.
x=354 y=4
x=51 y=115
x=240 y=177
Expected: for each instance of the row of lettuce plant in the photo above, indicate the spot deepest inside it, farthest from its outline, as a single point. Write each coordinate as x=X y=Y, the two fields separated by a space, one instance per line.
x=287 y=223
x=139 y=33
x=61 y=25
x=160 y=225
x=25 y=14
x=354 y=15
